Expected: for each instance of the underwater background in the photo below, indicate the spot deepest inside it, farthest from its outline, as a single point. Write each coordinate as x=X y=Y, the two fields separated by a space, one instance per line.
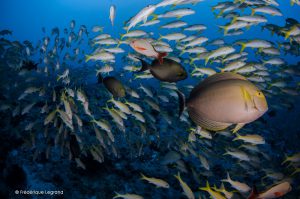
x=63 y=130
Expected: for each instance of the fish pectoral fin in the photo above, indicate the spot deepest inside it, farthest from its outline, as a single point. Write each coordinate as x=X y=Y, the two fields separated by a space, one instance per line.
x=206 y=123
x=278 y=194
x=238 y=127
x=254 y=105
x=246 y=97
x=140 y=48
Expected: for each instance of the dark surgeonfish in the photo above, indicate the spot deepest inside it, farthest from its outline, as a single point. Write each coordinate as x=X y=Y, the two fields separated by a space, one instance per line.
x=224 y=99
x=29 y=65
x=168 y=71
x=291 y=21
x=74 y=146
x=114 y=86
x=5 y=32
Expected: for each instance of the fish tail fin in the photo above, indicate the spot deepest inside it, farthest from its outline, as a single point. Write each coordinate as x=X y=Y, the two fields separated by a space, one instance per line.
x=252 y=12
x=226 y=153
x=87 y=58
x=58 y=78
x=126 y=102
x=220 y=14
x=161 y=56
x=254 y=194
x=57 y=109
x=215 y=188
x=173 y=5
x=234 y=19
x=265 y=177
x=286 y=159
x=194 y=71
x=119 y=43
x=272 y=33
x=206 y=188
x=279 y=44
x=111 y=99
x=143 y=177
x=106 y=107
x=145 y=65
x=224 y=180
x=243 y=46
x=215 y=15
x=192 y=61
x=237 y=137
x=117 y=195
x=177 y=176
x=222 y=186
x=296 y=171
x=270 y=85
x=136 y=76
x=155 y=16
x=287 y=35
x=181 y=99
x=225 y=28
x=160 y=37
x=292 y=2
x=206 y=60
x=238 y=127
x=221 y=69
x=228 y=177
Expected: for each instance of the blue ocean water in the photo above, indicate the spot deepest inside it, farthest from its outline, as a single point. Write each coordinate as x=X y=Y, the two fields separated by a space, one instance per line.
x=137 y=151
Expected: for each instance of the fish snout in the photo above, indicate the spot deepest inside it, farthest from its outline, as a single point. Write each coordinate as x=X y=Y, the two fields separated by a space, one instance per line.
x=261 y=103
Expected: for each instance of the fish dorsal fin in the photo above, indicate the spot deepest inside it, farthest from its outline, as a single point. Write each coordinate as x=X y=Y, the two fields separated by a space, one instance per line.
x=215 y=78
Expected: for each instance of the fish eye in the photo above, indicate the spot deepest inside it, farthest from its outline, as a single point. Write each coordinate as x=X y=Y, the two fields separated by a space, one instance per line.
x=259 y=94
